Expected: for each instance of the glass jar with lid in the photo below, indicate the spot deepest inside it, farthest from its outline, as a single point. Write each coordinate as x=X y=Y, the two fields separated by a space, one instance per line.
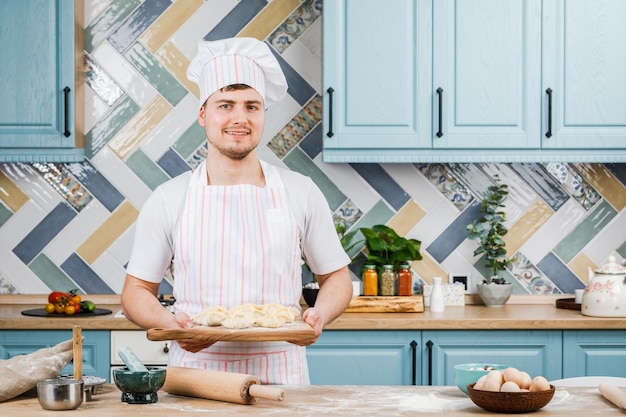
x=405 y=280
x=387 y=281
x=370 y=280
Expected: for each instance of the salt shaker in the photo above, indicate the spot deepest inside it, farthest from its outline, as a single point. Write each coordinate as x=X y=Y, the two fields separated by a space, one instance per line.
x=437 y=304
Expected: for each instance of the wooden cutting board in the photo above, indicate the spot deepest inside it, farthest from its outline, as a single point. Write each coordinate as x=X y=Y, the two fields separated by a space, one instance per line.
x=290 y=332
x=386 y=304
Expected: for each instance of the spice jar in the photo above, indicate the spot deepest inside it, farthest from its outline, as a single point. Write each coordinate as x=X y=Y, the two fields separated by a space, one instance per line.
x=370 y=280
x=405 y=280
x=387 y=281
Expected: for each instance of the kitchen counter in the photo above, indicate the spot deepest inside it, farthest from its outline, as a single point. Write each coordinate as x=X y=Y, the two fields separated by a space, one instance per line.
x=521 y=313
x=322 y=400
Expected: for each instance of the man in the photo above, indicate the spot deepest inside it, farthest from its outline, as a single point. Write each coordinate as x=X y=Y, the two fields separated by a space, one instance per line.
x=236 y=230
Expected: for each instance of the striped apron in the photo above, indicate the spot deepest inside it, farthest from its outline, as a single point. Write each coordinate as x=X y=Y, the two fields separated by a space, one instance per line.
x=237 y=245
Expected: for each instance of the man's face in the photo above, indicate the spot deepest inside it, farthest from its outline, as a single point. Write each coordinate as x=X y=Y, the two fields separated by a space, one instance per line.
x=233 y=121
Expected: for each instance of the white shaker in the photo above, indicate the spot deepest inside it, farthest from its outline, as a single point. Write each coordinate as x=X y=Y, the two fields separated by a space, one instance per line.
x=437 y=304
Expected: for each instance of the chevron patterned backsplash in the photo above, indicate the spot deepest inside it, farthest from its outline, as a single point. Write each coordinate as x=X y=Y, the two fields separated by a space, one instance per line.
x=66 y=226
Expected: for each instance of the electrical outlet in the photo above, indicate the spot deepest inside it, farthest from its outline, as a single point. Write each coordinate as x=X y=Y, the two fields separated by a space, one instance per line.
x=464 y=278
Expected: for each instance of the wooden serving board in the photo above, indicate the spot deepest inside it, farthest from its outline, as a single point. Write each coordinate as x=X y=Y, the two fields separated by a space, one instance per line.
x=290 y=332
x=386 y=304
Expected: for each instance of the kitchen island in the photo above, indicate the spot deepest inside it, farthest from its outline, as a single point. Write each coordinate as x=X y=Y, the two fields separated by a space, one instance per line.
x=322 y=401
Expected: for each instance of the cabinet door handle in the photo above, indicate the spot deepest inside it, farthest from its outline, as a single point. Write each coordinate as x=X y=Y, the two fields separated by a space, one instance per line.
x=330 y=133
x=440 y=94
x=67 y=90
x=549 y=132
x=414 y=353
x=430 y=344
x=166 y=348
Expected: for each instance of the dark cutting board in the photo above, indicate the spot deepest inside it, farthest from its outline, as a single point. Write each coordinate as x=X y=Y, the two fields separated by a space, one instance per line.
x=41 y=312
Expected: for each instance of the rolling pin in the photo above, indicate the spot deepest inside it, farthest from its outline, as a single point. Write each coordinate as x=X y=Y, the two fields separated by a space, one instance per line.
x=613 y=394
x=214 y=385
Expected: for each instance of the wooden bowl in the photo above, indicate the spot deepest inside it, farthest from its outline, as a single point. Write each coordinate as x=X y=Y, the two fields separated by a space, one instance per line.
x=510 y=402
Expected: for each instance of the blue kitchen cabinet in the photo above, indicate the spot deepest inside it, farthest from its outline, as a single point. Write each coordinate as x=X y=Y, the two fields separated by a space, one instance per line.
x=594 y=353
x=37 y=98
x=584 y=65
x=377 y=78
x=382 y=357
x=96 y=347
x=486 y=61
x=537 y=352
x=474 y=81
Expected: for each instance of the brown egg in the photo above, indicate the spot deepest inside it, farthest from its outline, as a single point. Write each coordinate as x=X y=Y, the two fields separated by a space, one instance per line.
x=513 y=375
x=526 y=379
x=480 y=382
x=509 y=386
x=494 y=381
x=491 y=384
x=539 y=383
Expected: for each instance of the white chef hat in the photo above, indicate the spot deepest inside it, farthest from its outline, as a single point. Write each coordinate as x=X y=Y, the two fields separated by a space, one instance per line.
x=237 y=61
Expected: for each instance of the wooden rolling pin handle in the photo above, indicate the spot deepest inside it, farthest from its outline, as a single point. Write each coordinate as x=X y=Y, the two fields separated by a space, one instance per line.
x=77 y=347
x=268 y=393
x=613 y=394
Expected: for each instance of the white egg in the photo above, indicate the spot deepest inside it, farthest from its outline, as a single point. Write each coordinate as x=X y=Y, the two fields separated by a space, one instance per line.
x=509 y=386
x=539 y=383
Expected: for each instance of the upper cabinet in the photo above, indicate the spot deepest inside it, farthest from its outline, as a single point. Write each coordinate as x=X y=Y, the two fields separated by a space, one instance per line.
x=474 y=81
x=37 y=97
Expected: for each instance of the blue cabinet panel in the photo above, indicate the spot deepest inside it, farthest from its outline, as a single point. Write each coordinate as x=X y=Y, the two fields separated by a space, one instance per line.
x=537 y=352
x=363 y=358
x=474 y=81
x=594 y=353
x=37 y=98
x=96 y=347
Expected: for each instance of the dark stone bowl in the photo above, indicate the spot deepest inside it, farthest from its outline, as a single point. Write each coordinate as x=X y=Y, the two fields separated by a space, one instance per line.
x=139 y=387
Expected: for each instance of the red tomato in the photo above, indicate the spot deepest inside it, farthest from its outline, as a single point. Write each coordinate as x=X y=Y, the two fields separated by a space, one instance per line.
x=56 y=296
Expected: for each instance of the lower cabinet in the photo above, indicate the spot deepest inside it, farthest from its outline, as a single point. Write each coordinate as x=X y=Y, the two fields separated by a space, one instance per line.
x=377 y=357
x=537 y=352
x=594 y=353
x=96 y=347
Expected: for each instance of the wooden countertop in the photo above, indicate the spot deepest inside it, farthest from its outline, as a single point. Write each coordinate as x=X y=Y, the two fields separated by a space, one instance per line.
x=322 y=401
x=521 y=313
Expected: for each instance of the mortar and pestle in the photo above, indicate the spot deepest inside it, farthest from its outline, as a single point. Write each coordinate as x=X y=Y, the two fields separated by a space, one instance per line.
x=139 y=384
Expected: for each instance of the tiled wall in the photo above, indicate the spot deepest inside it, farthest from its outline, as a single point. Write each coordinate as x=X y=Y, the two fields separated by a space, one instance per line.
x=71 y=225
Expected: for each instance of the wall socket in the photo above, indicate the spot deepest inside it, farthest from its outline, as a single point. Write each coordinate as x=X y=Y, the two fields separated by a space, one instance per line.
x=464 y=278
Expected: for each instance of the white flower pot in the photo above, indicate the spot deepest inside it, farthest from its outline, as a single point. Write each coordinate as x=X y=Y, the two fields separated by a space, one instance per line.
x=494 y=295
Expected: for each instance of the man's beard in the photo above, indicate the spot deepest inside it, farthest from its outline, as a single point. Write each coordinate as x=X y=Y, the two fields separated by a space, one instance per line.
x=233 y=152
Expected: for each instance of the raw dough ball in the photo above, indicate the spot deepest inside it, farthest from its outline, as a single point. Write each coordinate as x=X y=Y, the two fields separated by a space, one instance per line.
x=239 y=321
x=212 y=316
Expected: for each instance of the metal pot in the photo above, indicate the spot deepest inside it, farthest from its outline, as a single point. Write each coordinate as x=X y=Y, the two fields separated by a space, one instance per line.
x=60 y=394
x=605 y=294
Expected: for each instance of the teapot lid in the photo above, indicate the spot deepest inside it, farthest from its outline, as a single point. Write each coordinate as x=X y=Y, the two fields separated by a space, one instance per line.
x=611 y=267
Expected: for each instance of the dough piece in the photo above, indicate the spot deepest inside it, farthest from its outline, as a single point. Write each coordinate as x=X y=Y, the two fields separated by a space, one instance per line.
x=212 y=316
x=271 y=321
x=239 y=321
x=285 y=313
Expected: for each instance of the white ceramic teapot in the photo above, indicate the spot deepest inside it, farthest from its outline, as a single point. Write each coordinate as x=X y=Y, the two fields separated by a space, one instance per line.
x=605 y=294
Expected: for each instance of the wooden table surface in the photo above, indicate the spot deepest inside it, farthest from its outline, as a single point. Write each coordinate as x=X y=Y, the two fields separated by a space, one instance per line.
x=321 y=401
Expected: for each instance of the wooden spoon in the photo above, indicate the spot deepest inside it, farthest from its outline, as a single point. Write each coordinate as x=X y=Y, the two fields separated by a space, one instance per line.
x=77 y=338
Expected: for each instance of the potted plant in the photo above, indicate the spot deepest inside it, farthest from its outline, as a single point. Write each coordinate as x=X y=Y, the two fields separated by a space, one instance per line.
x=489 y=230
x=386 y=247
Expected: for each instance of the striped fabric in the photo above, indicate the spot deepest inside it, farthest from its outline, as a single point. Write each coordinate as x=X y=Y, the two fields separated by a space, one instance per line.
x=231 y=69
x=237 y=245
